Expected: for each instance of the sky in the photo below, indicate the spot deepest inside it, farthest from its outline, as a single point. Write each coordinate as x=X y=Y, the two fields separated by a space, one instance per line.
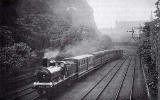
x=107 y=12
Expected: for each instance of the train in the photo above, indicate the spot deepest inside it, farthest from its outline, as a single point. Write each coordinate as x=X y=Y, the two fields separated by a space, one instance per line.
x=53 y=74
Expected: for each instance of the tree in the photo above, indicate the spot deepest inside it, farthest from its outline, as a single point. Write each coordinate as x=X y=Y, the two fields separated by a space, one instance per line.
x=14 y=58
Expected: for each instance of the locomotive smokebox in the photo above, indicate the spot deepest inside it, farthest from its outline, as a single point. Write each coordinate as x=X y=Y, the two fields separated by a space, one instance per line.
x=45 y=62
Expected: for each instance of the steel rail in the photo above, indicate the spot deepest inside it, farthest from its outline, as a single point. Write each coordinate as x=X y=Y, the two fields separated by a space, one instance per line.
x=125 y=74
x=133 y=76
x=97 y=98
x=100 y=80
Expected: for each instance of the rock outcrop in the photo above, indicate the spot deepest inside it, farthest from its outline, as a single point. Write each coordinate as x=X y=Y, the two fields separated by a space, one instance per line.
x=50 y=23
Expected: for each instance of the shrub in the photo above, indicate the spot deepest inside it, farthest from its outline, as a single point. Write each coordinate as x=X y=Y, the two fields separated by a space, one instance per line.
x=14 y=58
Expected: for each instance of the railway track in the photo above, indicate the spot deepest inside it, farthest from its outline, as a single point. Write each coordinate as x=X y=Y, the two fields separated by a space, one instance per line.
x=126 y=92
x=120 y=87
x=139 y=90
x=118 y=83
x=98 y=90
x=19 y=93
x=37 y=97
x=15 y=86
x=27 y=93
x=118 y=62
x=83 y=98
x=133 y=76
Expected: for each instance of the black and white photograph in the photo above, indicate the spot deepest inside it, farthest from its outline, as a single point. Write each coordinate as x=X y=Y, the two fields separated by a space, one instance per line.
x=79 y=49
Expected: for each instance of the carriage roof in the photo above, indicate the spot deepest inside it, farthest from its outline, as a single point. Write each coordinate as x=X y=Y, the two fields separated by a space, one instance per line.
x=80 y=57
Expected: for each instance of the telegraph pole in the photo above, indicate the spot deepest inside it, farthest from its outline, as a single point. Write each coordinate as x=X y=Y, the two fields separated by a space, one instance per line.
x=137 y=38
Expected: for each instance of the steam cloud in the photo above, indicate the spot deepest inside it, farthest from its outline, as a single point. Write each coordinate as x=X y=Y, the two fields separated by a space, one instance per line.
x=51 y=53
x=80 y=14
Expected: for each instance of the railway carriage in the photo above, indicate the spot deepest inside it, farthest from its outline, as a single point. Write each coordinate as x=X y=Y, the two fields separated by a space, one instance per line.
x=98 y=58
x=83 y=63
x=120 y=53
x=106 y=56
x=112 y=54
x=70 y=68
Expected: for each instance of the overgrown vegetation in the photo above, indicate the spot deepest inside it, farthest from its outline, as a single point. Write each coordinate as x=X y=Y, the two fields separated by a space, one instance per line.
x=150 y=51
x=29 y=27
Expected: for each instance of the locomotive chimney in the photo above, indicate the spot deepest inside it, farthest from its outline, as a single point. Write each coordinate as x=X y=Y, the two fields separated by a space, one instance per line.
x=45 y=62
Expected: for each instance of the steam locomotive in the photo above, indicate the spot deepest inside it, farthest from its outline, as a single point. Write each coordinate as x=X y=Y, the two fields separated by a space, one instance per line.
x=54 y=74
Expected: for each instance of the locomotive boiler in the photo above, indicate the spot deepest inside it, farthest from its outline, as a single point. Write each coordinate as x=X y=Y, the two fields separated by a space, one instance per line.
x=48 y=76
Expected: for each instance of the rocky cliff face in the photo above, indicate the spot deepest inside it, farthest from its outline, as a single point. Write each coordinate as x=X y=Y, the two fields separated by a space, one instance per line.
x=33 y=29
x=76 y=12
x=50 y=23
